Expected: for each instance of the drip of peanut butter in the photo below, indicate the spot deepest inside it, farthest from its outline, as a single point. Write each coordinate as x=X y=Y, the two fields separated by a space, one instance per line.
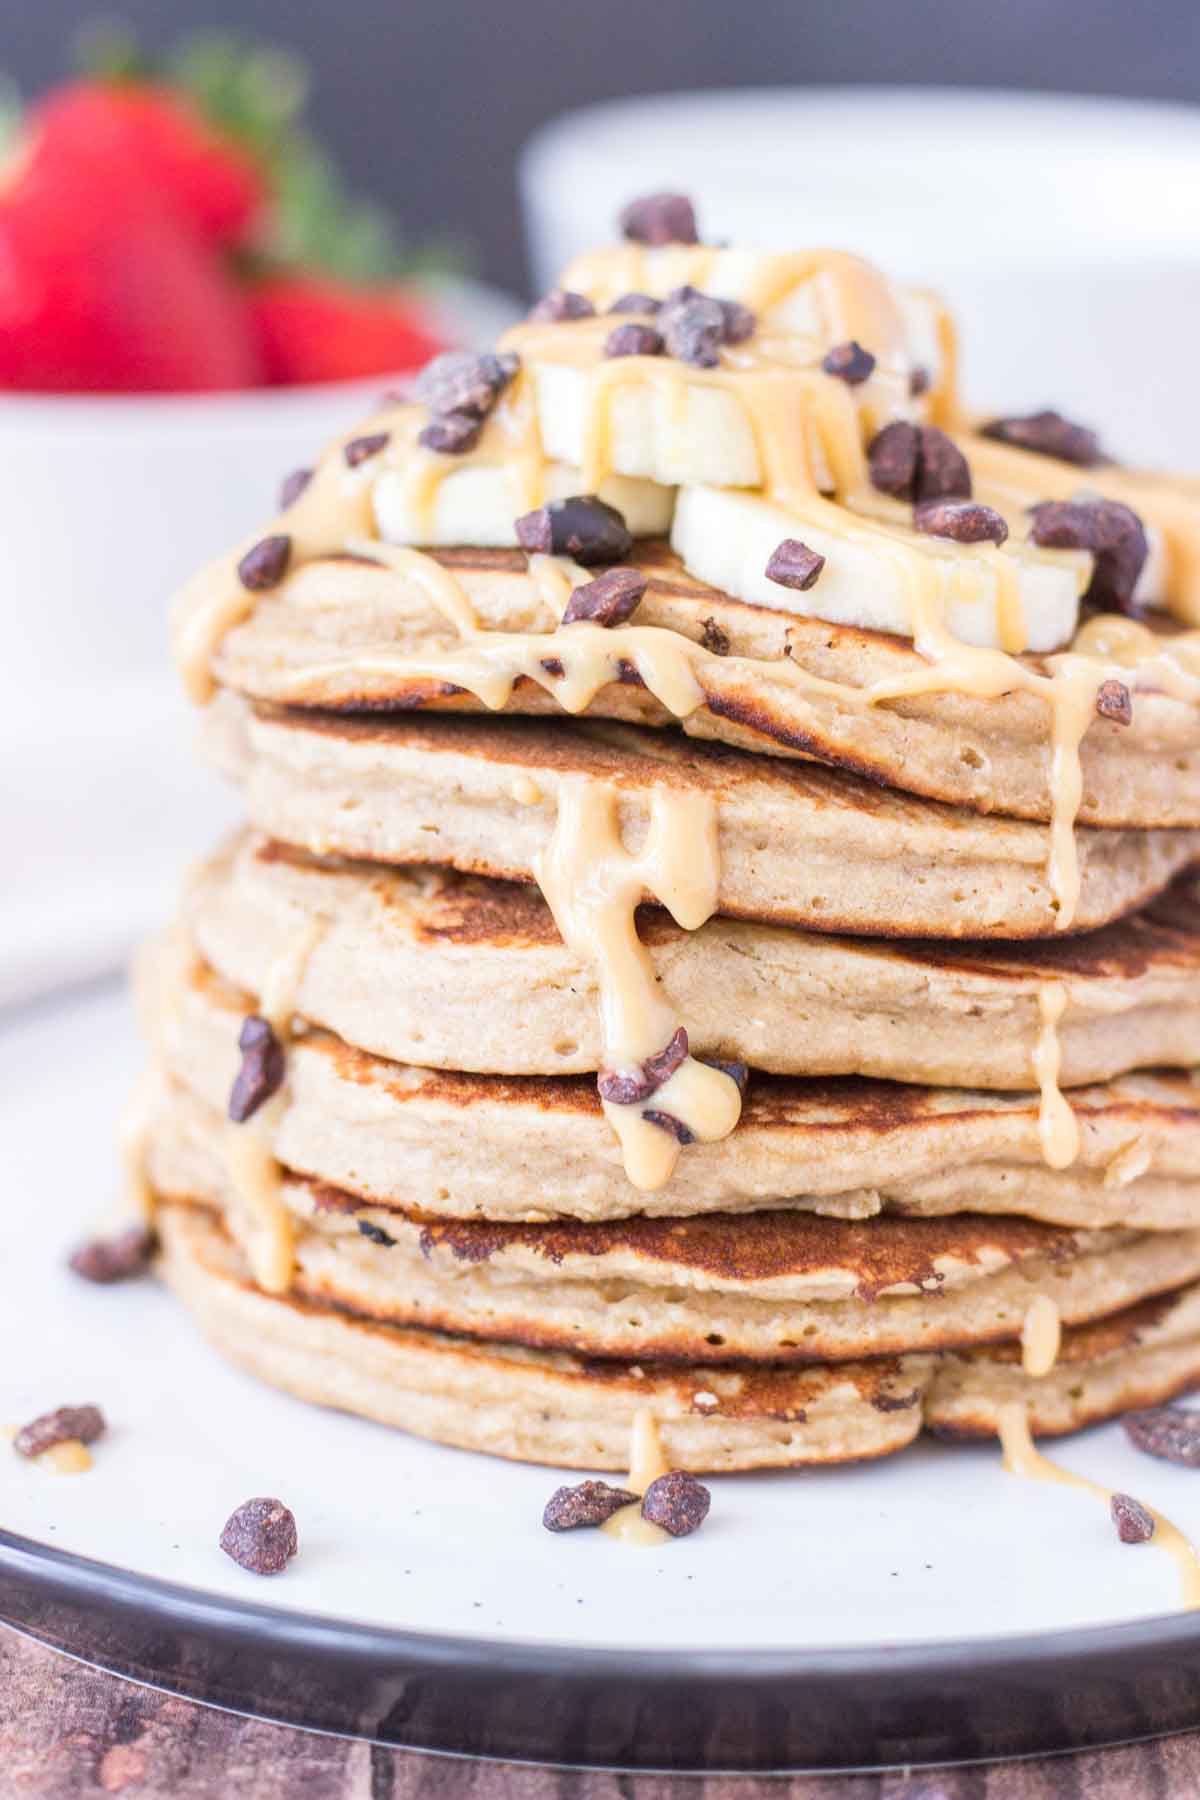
x=1057 y=1125
x=1041 y=1336
x=1021 y=1457
x=647 y=1461
x=255 y=1175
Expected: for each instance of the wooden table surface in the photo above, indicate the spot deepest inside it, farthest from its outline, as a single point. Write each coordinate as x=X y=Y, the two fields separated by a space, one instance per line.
x=68 y=1733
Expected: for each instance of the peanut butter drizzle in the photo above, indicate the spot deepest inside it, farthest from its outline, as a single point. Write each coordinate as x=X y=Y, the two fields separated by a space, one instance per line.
x=593 y=885
x=1041 y=1336
x=1021 y=1457
x=647 y=1461
x=1058 y=1127
x=254 y=1172
x=69 y=1457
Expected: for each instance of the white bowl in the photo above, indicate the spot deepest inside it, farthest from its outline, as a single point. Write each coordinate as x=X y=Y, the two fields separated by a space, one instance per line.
x=1062 y=229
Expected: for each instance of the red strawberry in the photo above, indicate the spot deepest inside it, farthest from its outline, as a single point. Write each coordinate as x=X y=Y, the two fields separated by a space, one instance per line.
x=209 y=179
x=103 y=288
x=315 y=329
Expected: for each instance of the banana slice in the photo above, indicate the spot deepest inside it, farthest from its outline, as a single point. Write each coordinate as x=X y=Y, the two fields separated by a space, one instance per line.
x=727 y=539
x=476 y=505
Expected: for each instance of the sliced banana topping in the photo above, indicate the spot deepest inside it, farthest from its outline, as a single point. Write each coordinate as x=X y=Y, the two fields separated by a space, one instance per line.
x=983 y=592
x=478 y=503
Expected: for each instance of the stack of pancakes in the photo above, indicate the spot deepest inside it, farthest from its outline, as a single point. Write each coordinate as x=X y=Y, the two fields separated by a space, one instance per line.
x=793 y=1045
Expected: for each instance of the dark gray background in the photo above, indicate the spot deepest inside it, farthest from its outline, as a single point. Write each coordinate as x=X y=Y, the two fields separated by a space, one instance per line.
x=427 y=101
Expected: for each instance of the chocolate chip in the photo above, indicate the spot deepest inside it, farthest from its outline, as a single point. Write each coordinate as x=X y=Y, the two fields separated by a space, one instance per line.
x=292 y=486
x=740 y=322
x=265 y=564
x=84 y=1423
x=670 y=1124
x=361 y=449
x=919 y=382
x=636 y=303
x=633 y=340
x=738 y=1072
x=918 y=462
x=452 y=433
x=1114 y=701
x=608 y=600
x=1111 y=531
x=1167 y=1431
x=660 y=219
x=677 y=1502
x=262 y=1069
x=714 y=638
x=376 y=1234
x=589 y=1503
x=260 y=1536
x=462 y=381
x=628 y=1090
x=583 y=527
x=794 y=565
x=1134 y=1522
x=966 y=521
x=849 y=362
x=561 y=303
x=1048 y=434
x=105 y=1260
x=693 y=330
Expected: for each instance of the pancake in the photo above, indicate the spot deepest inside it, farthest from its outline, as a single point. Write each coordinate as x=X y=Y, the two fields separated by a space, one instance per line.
x=776 y=1287
x=301 y=646
x=458 y=972
x=799 y=845
x=533 y=1149
x=539 y=1406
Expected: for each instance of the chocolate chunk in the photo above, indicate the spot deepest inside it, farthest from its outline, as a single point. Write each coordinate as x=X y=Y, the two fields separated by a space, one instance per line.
x=660 y=219
x=292 y=486
x=452 y=433
x=918 y=462
x=633 y=340
x=67 y=1423
x=919 y=382
x=942 y=469
x=628 y=1090
x=677 y=1502
x=1114 y=701
x=1111 y=531
x=670 y=1124
x=636 y=303
x=1134 y=1522
x=462 y=381
x=260 y=1536
x=966 y=521
x=693 y=330
x=1167 y=1431
x=849 y=362
x=262 y=1069
x=794 y=565
x=740 y=322
x=714 y=638
x=105 y=1260
x=1048 y=434
x=266 y=563
x=738 y=1072
x=361 y=449
x=608 y=600
x=376 y=1234
x=589 y=1503
x=560 y=304
x=583 y=527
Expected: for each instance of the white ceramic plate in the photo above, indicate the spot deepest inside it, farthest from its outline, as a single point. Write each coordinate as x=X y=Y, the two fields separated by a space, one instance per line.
x=407 y=1537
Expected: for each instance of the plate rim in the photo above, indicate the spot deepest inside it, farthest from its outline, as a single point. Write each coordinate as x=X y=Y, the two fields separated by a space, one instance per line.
x=74 y=1603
